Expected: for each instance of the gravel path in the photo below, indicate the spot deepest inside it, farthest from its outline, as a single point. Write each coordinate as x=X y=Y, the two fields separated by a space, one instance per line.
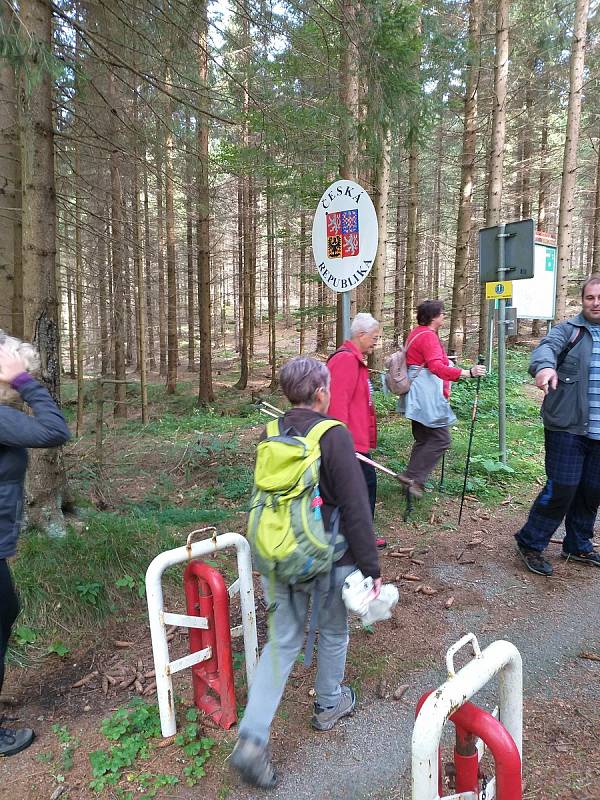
x=368 y=755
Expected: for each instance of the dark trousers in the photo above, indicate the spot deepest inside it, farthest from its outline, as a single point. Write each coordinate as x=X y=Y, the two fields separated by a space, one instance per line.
x=572 y=493
x=430 y=444
x=9 y=609
x=371 y=481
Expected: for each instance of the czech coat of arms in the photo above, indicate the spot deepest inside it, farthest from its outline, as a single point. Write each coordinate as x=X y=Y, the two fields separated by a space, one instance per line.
x=342 y=234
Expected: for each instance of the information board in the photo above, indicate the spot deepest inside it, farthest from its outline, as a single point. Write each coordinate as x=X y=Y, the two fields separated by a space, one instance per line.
x=534 y=298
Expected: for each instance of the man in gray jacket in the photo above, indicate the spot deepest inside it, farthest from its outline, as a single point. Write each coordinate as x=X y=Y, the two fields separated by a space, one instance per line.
x=566 y=367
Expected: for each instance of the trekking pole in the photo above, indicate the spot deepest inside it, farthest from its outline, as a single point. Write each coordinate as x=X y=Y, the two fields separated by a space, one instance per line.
x=480 y=361
x=443 y=470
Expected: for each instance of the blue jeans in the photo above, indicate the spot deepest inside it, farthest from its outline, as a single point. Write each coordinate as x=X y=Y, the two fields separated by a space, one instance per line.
x=572 y=493
x=286 y=636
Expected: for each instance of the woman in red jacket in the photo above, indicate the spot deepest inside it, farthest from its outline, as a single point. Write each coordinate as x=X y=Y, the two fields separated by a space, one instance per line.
x=429 y=413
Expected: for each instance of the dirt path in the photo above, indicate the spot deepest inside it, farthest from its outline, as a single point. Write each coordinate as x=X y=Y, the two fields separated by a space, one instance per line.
x=367 y=756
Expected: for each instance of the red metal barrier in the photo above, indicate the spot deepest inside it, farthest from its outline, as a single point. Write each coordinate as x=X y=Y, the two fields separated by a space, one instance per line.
x=470 y=722
x=206 y=596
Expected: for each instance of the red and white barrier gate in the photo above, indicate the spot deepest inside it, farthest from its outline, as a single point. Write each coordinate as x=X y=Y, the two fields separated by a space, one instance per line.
x=475 y=728
x=213 y=679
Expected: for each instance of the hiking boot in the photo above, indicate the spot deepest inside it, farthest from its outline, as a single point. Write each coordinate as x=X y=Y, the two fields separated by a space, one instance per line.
x=583 y=558
x=324 y=719
x=380 y=543
x=13 y=740
x=416 y=490
x=534 y=561
x=403 y=478
x=252 y=761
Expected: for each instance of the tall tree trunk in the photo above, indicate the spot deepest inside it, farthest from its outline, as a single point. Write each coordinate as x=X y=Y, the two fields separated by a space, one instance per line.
x=464 y=225
x=147 y=263
x=205 y=386
x=47 y=477
x=302 y=287
x=171 y=264
x=349 y=93
x=118 y=331
x=596 y=239
x=189 y=227
x=243 y=198
x=496 y=162
x=567 y=189
x=79 y=335
x=9 y=172
x=139 y=276
x=412 y=244
x=162 y=312
x=400 y=261
x=271 y=284
x=382 y=191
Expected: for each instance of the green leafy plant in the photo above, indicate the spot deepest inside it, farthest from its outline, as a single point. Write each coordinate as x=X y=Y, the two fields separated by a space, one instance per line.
x=24 y=635
x=89 y=592
x=68 y=743
x=58 y=648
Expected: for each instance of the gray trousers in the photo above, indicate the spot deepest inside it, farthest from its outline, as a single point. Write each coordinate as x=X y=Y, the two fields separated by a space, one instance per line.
x=430 y=444
x=286 y=636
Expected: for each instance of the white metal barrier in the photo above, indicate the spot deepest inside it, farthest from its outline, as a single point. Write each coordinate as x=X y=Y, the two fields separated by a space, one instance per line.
x=499 y=658
x=159 y=618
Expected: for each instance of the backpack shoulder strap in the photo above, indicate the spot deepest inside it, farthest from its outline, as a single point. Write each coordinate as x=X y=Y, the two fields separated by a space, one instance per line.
x=316 y=431
x=273 y=428
x=340 y=350
x=573 y=339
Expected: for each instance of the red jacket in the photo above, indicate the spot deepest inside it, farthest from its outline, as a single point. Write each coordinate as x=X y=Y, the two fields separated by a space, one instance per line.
x=351 y=400
x=428 y=351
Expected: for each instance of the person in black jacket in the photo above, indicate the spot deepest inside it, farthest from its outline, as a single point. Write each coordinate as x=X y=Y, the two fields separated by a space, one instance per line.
x=18 y=431
x=305 y=382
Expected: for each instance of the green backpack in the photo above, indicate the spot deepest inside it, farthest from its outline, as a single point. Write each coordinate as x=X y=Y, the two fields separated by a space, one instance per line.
x=285 y=528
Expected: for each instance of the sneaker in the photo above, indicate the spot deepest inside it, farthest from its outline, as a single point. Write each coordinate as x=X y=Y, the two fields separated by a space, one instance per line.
x=403 y=478
x=380 y=543
x=13 y=740
x=325 y=718
x=252 y=761
x=534 y=561
x=583 y=558
x=416 y=490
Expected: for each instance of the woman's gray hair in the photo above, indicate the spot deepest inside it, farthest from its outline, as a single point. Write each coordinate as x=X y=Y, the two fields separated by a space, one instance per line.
x=300 y=378
x=363 y=323
x=30 y=357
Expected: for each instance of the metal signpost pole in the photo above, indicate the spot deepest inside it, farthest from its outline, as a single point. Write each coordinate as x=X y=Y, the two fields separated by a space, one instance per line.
x=345 y=315
x=502 y=345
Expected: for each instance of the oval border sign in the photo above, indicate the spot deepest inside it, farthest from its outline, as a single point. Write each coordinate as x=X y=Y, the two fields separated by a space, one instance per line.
x=345 y=235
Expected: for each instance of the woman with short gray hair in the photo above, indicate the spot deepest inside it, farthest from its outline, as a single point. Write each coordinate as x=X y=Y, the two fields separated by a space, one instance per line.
x=351 y=395
x=305 y=383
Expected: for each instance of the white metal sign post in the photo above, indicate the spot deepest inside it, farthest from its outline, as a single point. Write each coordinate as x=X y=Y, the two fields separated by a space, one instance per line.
x=345 y=235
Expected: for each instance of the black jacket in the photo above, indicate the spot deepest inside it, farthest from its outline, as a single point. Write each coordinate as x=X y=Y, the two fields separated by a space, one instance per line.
x=18 y=431
x=342 y=483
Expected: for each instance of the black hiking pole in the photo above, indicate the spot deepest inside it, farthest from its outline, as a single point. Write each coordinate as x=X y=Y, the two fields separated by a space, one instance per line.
x=480 y=361
x=443 y=471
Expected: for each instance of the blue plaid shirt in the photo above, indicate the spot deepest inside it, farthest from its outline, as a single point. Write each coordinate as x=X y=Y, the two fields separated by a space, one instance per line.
x=594 y=385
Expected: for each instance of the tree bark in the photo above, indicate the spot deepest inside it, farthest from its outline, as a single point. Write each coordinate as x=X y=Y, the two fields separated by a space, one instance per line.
x=205 y=386
x=47 y=481
x=160 y=244
x=189 y=227
x=9 y=178
x=378 y=271
x=596 y=239
x=412 y=243
x=302 y=287
x=496 y=162
x=567 y=189
x=467 y=173
x=349 y=94
x=147 y=263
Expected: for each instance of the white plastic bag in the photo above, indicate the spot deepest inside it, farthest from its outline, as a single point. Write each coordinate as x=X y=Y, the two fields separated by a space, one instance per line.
x=357 y=596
